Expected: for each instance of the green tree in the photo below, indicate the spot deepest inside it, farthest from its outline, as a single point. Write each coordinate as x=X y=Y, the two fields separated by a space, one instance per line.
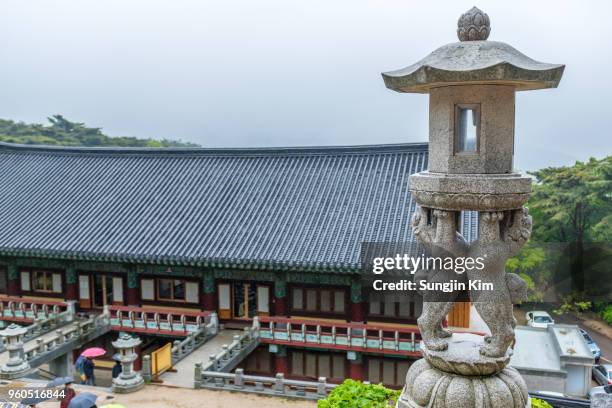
x=529 y=264
x=573 y=205
x=64 y=132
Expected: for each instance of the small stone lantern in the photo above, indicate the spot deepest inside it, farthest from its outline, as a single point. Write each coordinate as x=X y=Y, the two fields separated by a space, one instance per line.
x=129 y=380
x=17 y=365
x=471 y=85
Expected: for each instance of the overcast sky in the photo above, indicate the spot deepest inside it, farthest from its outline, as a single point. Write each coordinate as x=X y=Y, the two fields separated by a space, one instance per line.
x=287 y=72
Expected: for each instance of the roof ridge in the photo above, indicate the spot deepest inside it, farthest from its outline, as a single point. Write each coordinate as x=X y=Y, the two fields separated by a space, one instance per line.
x=243 y=151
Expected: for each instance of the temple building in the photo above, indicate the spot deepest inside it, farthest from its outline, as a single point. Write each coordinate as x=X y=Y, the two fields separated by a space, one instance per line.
x=268 y=232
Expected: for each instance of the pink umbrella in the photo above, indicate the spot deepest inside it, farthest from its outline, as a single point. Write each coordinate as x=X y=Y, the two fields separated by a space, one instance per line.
x=93 y=352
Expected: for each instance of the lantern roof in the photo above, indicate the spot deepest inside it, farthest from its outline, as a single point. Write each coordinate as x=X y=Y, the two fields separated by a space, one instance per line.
x=474 y=60
x=125 y=341
x=13 y=330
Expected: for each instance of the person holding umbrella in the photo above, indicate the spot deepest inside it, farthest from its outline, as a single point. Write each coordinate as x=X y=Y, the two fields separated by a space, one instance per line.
x=88 y=371
x=69 y=394
x=88 y=364
x=84 y=400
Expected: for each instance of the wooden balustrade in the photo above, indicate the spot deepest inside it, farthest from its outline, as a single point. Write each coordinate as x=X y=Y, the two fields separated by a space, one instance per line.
x=23 y=310
x=157 y=321
x=365 y=337
x=399 y=340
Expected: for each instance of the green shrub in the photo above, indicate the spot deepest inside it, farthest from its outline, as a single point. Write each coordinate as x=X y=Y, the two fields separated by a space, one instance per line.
x=538 y=403
x=355 y=394
x=606 y=314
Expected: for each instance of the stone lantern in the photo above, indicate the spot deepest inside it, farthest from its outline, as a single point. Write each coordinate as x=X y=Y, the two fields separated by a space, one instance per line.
x=129 y=380
x=471 y=85
x=17 y=365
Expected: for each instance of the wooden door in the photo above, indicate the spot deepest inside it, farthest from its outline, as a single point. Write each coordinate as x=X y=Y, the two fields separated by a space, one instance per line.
x=263 y=300
x=84 y=292
x=117 y=290
x=225 y=309
x=459 y=315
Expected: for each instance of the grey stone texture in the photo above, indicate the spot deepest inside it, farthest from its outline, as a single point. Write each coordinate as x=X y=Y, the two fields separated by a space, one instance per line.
x=473 y=25
x=474 y=62
x=496 y=140
x=427 y=386
x=473 y=192
x=463 y=357
x=501 y=235
x=481 y=77
x=17 y=365
x=129 y=380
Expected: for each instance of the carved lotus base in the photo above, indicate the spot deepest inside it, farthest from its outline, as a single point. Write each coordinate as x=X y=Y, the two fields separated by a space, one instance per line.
x=426 y=386
x=15 y=369
x=463 y=356
x=475 y=192
x=123 y=385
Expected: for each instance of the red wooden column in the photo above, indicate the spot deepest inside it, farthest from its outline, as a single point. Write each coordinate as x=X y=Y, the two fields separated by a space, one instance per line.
x=280 y=297
x=13 y=281
x=72 y=284
x=280 y=361
x=356 y=369
x=209 y=291
x=133 y=288
x=138 y=361
x=357 y=307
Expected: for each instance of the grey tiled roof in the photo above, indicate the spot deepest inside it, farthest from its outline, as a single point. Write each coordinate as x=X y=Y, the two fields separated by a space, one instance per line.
x=283 y=208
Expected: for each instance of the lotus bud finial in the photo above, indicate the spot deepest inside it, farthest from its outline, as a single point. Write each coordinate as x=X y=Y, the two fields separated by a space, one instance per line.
x=473 y=25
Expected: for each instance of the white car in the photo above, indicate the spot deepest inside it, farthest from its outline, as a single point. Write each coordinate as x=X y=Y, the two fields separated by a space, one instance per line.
x=538 y=318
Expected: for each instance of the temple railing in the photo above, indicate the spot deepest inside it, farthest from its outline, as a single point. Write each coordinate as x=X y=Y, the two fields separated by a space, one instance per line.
x=273 y=386
x=65 y=340
x=23 y=310
x=398 y=340
x=193 y=340
x=232 y=354
x=49 y=316
x=160 y=321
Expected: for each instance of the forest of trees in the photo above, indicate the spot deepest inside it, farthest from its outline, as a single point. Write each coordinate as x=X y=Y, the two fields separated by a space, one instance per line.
x=61 y=131
x=570 y=255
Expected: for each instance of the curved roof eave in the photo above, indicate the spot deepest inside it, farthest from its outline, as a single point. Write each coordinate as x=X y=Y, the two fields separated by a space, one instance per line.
x=475 y=62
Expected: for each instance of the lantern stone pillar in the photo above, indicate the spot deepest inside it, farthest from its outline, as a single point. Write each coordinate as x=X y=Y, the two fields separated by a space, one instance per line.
x=16 y=366
x=129 y=380
x=471 y=86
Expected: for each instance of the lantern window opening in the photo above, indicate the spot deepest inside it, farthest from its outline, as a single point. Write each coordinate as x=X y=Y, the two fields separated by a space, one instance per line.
x=467 y=128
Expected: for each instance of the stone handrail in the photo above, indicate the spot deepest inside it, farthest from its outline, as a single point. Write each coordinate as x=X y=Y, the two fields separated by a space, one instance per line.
x=75 y=332
x=234 y=352
x=182 y=348
x=273 y=386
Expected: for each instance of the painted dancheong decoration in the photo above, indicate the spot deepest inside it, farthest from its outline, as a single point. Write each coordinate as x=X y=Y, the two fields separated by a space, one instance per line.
x=471 y=85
